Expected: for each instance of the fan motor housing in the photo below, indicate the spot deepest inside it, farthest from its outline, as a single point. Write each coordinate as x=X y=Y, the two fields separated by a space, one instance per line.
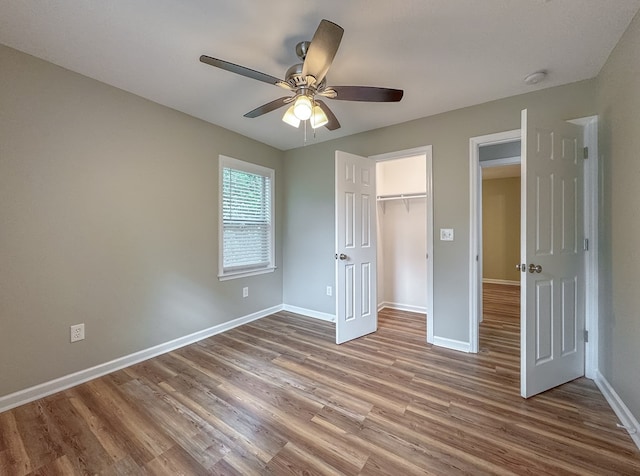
x=294 y=76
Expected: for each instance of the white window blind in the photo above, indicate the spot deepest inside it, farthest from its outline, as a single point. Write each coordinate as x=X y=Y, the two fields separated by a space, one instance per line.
x=246 y=217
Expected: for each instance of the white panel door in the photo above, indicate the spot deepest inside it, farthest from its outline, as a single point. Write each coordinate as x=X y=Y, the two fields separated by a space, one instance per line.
x=356 y=310
x=552 y=297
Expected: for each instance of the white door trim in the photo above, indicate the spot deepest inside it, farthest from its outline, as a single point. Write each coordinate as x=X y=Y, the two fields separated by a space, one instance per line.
x=427 y=151
x=475 y=281
x=591 y=205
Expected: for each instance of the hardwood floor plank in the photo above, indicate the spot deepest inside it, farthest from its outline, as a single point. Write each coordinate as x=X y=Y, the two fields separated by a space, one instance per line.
x=107 y=420
x=13 y=456
x=278 y=396
x=174 y=461
x=42 y=443
x=107 y=440
x=231 y=429
x=440 y=446
x=124 y=467
x=75 y=437
x=296 y=461
x=59 y=467
x=127 y=414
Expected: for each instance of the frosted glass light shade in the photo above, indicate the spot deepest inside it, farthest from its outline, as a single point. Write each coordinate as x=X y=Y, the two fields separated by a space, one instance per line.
x=302 y=108
x=290 y=118
x=318 y=118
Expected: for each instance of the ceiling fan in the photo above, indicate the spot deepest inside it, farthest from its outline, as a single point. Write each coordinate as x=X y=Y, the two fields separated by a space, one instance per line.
x=308 y=79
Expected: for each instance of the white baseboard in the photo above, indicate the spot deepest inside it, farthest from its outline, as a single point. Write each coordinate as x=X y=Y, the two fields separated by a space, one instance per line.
x=500 y=281
x=36 y=392
x=627 y=419
x=402 y=307
x=310 y=313
x=452 y=344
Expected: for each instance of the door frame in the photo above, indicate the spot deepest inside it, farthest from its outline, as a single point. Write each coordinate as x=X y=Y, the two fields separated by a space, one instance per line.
x=427 y=151
x=475 y=227
x=591 y=206
x=591 y=211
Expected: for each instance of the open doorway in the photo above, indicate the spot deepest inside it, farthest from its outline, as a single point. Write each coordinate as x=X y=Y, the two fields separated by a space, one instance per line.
x=404 y=232
x=499 y=234
x=499 y=150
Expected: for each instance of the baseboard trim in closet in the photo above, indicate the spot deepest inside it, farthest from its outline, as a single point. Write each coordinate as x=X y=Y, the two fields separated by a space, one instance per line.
x=401 y=307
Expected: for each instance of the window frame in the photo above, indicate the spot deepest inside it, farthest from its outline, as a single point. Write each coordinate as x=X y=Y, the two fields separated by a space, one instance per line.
x=226 y=162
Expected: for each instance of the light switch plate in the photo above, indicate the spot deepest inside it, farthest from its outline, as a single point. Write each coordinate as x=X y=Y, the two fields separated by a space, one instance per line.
x=446 y=234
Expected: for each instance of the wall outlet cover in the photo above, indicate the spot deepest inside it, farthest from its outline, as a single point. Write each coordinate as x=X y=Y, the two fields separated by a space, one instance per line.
x=77 y=332
x=446 y=234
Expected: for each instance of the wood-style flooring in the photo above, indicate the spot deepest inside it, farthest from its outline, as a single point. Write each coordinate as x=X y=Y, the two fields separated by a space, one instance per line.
x=277 y=396
x=501 y=300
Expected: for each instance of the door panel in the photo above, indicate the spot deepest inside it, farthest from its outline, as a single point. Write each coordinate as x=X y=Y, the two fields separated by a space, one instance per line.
x=356 y=311
x=552 y=339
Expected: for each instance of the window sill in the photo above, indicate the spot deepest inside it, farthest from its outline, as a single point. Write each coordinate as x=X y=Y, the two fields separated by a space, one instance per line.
x=244 y=274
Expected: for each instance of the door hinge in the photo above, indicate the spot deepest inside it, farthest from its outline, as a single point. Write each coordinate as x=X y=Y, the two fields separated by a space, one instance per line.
x=586 y=335
x=586 y=244
x=585 y=152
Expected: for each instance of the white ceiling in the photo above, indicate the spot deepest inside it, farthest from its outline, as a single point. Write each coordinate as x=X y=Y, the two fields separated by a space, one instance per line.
x=445 y=54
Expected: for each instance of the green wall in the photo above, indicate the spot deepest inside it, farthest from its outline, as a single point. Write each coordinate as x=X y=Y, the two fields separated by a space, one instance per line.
x=618 y=100
x=109 y=217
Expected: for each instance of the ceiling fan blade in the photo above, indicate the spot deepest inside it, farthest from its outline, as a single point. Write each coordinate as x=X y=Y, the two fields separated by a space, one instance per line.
x=241 y=70
x=333 y=123
x=366 y=93
x=270 y=106
x=322 y=50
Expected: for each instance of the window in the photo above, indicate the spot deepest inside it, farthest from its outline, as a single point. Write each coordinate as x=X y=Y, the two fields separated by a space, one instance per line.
x=246 y=219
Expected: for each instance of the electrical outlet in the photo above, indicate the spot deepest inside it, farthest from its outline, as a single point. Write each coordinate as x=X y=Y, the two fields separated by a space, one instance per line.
x=446 y=234
x=245 y=292
x=77 y=332
x=329 y=291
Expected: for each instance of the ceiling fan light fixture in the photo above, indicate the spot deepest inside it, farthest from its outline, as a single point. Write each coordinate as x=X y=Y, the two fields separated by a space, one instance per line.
x=318 y=117
x=308 y=79
x=290 y=117
x=302 y=108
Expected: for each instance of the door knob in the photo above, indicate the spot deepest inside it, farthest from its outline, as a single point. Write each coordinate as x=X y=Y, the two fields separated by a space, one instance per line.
x=521 y=267
x=342 y=256
x=535 y=268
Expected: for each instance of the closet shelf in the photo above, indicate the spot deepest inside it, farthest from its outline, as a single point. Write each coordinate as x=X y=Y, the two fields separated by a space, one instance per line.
x=400 y=196
x=405 y=197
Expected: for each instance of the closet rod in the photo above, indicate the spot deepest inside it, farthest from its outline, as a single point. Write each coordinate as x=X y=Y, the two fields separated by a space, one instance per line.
x=400 y=196
x=405 y=197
